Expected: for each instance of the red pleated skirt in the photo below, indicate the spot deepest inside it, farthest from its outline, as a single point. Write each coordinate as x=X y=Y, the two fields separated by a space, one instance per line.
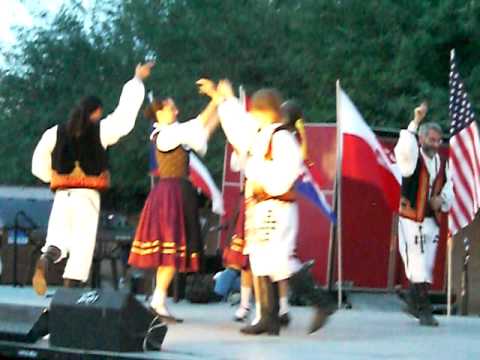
x=162 y=237
x=233 y=256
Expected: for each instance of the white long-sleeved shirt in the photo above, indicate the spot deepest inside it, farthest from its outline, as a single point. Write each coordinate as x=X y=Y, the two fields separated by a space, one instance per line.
x=237 y=164
x=239 y=126
x=407 y=153
x=112 y=128
x=191 y=134
x=275 y=176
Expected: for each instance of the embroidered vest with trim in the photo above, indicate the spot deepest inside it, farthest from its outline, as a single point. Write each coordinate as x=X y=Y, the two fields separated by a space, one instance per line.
x=290 y=195
x=79 y=162
x=173 y=164
x=414 y=204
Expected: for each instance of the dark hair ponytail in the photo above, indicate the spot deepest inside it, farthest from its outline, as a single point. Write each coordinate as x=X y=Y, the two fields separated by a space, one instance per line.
x=291 y=112
x=79 y=118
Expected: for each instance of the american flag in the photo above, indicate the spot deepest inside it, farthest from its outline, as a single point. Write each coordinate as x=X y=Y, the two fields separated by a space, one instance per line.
x=464 y=155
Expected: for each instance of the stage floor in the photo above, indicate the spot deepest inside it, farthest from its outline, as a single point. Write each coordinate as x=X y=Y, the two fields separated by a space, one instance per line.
x=374 y=328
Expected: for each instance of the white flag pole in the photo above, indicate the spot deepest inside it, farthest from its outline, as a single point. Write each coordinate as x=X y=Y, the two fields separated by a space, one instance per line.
x=339 y=195
x=449 y=275
x=243 y=100
x=449 y=247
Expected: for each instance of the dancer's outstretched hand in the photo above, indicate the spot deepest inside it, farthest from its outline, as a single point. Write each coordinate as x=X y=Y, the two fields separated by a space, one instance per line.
x=207 y=87
x=420 y=112
x=142 y=71
x=225 y=89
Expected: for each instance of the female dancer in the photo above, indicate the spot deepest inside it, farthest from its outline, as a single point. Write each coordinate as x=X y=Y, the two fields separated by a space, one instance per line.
x=168 y=232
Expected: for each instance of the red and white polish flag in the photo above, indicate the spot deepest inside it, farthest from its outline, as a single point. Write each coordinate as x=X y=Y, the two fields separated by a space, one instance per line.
x=363 y=157
x=201 y=179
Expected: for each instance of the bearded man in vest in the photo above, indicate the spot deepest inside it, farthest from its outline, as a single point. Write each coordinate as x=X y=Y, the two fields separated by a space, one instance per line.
x=72 y=157
x=427 y=192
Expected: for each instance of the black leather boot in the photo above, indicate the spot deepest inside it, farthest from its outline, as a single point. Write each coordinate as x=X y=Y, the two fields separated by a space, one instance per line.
x=39 y=281
x=269 y=306
x=303 y=285
x=425 y=307
x=411 y=299
x=274 y=325
x=321 y=316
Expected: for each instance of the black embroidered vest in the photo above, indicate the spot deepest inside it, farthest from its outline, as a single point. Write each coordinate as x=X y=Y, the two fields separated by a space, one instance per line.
x=414 y=202
x=79 y=162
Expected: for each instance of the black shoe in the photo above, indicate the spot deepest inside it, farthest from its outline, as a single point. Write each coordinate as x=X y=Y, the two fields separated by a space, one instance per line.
x=410 y=311
x=284 y=320
x=169 y=319
x=426 y=319
x=265 y=325
x=320 y=318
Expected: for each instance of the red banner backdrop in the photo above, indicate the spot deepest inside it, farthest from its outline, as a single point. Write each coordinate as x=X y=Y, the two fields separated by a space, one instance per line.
x=370 y=256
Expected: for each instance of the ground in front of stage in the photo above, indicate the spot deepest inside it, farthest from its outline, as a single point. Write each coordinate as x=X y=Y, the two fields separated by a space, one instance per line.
x=374 y=328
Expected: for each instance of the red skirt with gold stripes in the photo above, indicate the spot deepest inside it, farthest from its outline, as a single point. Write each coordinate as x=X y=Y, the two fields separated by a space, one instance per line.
x=233 y=256
x=162 y=237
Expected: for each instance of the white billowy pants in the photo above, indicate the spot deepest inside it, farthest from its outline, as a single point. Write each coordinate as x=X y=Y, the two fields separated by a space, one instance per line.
x=418 y=244
x=72 y=227
x=271 y=229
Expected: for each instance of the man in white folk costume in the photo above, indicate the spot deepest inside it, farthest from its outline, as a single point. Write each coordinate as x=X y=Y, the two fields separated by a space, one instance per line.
x=274 y=162
x=72 y=157
x=427 y=192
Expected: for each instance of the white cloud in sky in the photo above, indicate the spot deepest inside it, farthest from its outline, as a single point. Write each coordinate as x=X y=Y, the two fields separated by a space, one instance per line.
x=13 y=14
x=26 y=13
x=23 y=13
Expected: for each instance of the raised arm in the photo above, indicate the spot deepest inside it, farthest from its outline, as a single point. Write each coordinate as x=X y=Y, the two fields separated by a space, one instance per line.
x=239 y=127
x=209 y=116
x=122 y=120
x=407 y=150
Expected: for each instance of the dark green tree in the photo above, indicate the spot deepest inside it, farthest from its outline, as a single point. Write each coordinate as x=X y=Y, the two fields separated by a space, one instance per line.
x=389 y=55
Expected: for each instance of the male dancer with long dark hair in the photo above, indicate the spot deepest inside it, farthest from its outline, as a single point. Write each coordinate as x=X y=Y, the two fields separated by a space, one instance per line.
x=72 y=157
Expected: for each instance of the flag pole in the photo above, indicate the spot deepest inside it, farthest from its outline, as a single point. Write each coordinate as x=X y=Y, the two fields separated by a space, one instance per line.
x=465 y=282
x=449 y=246
x=449 y=276
x=339 y=195
x=243 y=100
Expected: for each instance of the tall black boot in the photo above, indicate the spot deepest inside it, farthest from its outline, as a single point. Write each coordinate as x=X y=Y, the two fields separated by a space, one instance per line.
x=269 y=306
x=274 y=326
x=303 y=285
x=39 y=280
x=425 y=307
x=324 y=305
x=411 y=299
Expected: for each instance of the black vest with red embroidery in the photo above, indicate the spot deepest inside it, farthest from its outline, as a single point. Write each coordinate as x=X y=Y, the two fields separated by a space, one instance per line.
x=79 y=162
x=414 y=202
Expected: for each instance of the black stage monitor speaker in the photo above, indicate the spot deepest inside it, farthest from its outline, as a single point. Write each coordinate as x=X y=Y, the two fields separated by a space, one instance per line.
x=23 y=323
x=101 y=320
